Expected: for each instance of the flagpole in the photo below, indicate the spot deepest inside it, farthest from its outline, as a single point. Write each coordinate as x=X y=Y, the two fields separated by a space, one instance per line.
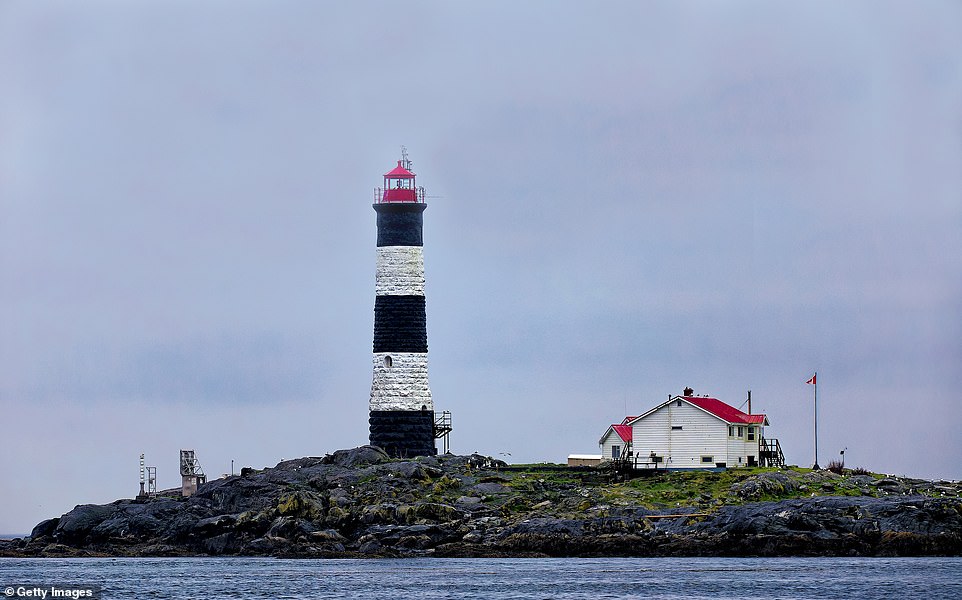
x=815 y=384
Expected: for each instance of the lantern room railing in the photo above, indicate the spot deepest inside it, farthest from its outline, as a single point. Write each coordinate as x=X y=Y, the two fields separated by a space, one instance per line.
x=392 y=195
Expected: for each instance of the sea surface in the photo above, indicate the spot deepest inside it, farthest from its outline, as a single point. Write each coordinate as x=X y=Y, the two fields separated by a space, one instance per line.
x=382 y=579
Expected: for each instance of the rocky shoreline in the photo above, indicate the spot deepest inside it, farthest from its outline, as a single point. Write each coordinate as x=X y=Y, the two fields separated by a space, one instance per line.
x=359 y=503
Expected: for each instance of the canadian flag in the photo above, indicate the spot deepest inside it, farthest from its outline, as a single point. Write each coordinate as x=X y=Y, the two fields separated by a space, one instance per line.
x=812 y=380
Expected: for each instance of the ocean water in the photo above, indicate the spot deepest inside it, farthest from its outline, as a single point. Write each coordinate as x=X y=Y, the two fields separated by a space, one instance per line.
x=381 y=579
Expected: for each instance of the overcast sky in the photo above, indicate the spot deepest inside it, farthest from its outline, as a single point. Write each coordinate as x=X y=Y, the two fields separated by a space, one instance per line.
x=625 y=198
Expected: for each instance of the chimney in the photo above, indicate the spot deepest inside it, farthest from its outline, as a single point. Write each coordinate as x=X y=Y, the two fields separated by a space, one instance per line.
x=688 y=392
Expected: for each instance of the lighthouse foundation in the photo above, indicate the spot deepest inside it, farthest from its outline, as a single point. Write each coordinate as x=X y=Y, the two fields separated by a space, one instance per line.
x=403 y=433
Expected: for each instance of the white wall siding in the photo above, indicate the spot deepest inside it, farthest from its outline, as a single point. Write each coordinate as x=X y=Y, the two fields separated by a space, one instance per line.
x=736 y=449
x=751 y=448
x=399 y=271
x=612 y=439
x=742 y=447
x=650 y=434
x=400 y=382
x=700 y=434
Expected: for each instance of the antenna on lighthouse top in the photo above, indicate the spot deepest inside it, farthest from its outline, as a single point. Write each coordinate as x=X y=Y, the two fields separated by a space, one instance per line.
x=405 y=161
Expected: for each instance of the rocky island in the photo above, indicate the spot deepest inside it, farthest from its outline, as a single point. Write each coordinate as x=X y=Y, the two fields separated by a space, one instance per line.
x=361 y=503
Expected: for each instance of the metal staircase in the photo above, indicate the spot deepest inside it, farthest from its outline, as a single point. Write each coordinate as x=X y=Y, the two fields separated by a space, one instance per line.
x=770 y=453
x=442 y=431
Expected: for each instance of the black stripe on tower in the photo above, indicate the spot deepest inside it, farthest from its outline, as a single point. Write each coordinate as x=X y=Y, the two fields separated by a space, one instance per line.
x=400 y=223
x=400 y=324
x=403 y=433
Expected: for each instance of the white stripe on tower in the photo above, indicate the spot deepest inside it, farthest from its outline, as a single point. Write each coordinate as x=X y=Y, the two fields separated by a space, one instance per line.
x=401 y=382
x=400 y=271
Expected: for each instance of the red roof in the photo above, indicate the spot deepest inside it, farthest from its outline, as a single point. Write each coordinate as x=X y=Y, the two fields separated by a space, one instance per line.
x=623 y=431
x=724 y=411
x=399 y=172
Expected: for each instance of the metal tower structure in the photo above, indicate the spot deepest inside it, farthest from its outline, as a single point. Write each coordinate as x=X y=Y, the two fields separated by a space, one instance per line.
x=191 y=473
x=148 y=476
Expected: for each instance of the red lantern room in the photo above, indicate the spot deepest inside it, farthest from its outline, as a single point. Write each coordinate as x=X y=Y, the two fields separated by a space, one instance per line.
x=399 y=184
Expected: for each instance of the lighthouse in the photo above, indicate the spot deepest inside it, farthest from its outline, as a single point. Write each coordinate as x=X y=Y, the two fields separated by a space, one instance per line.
x=401 y=412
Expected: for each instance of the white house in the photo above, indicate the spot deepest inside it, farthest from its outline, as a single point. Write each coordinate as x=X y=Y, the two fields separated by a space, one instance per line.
x=691 y=432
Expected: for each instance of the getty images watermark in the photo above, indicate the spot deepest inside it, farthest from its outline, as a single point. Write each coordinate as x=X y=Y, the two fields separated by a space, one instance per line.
x=73 y=591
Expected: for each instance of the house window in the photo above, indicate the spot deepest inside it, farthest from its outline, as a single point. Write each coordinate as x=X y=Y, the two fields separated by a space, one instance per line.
x=751 y=434
x=707 y=459
x=388 y=361
x=616 y=452
x=741 y=431
x=676 y=427
x=731 y=431
x=751 y=461
x=678 y=403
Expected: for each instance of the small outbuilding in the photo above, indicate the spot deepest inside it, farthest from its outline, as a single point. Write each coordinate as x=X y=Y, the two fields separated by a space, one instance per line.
x=584 y=460
x=691 y=432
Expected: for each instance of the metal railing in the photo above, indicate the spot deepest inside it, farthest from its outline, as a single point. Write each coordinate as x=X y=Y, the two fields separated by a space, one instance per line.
x=417 y=195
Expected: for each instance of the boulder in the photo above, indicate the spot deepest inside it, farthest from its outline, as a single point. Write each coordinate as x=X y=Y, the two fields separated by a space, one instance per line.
x=302 y=503
x=76 y=525
x=214 y=524
x=327 y=536
x=439 y=513
x=490 y=487
x=44 y=528
x=363 y=455
x=765 y=484
x=291 y=528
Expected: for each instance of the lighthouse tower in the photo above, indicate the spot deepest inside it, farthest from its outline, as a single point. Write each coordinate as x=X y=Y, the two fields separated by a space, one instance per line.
x=401 y=411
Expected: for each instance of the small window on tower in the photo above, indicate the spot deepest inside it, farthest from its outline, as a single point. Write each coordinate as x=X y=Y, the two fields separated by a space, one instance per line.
x=388 y=362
